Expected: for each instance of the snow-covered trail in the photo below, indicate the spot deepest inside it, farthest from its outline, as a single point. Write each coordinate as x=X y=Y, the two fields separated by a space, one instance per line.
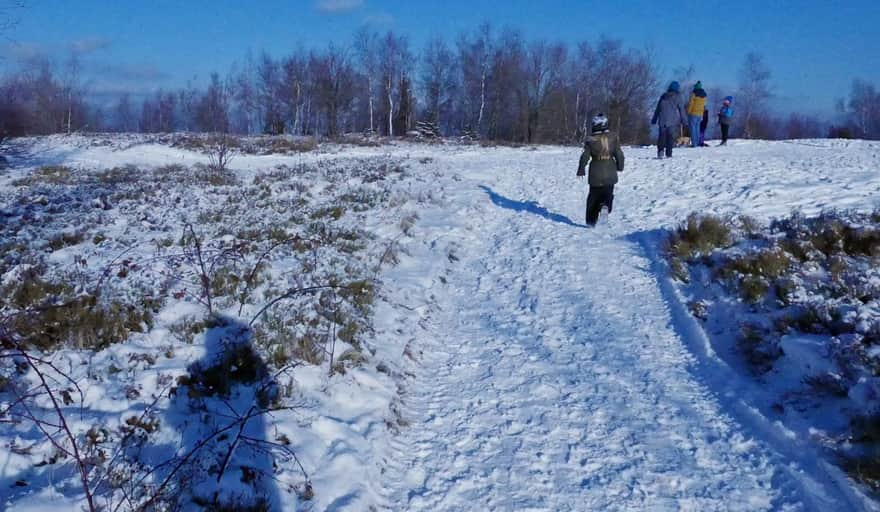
x=552 y=376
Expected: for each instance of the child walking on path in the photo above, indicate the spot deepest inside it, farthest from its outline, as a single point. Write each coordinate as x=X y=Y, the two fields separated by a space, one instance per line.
x=602 y=151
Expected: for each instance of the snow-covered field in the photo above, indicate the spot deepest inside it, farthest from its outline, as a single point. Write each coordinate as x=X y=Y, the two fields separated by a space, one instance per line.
x=515 y=360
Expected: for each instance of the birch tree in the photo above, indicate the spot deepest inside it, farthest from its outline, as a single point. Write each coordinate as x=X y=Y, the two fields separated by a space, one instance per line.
x=754 y=91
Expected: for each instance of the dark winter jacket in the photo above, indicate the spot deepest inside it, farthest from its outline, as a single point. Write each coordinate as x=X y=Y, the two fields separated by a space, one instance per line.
x=602 y=151
x=669 y=112
x=705 y=122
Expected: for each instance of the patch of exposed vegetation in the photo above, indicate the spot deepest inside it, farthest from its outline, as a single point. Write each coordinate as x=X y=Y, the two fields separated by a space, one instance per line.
x=806 y=284
x=47 y=175
x=47 y=315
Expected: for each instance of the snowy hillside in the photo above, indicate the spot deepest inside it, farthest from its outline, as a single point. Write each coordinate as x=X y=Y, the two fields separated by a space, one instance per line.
x=404 y=327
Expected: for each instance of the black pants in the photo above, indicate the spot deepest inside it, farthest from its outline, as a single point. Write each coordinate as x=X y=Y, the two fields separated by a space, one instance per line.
x=665 y=140
x=597 y=197
x=725 y=131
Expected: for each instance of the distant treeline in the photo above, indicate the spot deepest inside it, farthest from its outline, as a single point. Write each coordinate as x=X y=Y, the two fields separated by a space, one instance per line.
x=484 y=84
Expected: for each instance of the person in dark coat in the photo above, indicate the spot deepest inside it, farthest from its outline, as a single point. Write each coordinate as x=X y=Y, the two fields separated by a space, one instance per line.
x=602 y=151
x=703 y=125
x=670 y=117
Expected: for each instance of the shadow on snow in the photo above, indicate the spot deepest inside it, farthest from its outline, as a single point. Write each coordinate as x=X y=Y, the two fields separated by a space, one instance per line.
x=527 y=206
x=221 y=414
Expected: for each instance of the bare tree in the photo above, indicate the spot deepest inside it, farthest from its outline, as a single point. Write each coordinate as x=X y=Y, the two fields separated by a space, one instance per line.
x=187 y=99
x=754 y=91
x=500 y=86
x=334 y=77
x=438 y=79
x=863 y=109
x=295 y=89
x=801 y=126
x=71 y=86
x=506 y=101
x=366 y=44
x=212 y=111
x=474 y=55
x=268 y=97
x=585 y=86
x=124 y=115
x=686 y=76
x=244 y=92
x=157 y=112
x=394 y=62
x=543 y=67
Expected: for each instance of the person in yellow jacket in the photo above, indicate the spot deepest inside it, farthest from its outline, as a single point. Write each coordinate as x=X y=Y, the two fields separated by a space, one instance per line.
x=695 y=108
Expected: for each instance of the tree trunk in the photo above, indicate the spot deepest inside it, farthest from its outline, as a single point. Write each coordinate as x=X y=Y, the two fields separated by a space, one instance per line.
x=370 y=101
x=390 y=111
x=482 y=102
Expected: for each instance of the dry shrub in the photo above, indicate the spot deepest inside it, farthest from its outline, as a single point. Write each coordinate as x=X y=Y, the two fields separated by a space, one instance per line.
x=408 y=222
x=82 y=322
x=334 y=212
x=279 y=144
x=749 y=226
x=361 y=294
x=348 y=359
x=700 y=234
x=861 y=241
x=62 y=240
x=753 y=289
x=221 y=151
x=119 y=175
x=47 y=175
x=287 y=338
x=354 y=139
x=50 y=315
x=759 y=348
x=771 y=263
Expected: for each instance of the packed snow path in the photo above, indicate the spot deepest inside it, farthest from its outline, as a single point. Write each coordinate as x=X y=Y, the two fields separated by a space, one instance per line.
x=552 y=375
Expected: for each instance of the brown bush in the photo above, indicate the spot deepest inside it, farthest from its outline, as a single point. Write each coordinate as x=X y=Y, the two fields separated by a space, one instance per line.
x=700 y=234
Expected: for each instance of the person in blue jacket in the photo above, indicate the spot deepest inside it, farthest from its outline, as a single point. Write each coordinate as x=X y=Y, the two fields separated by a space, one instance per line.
x=725 y=117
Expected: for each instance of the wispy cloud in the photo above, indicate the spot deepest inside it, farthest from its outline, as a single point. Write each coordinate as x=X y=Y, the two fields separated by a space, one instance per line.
x=23 y=51
x=89 y=45
x=379 y=20
x=337 y=6
x=133 y=72
x=17 y=51
x=108 y=91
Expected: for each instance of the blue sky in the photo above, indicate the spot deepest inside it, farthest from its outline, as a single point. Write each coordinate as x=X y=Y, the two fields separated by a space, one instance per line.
x=814 y=48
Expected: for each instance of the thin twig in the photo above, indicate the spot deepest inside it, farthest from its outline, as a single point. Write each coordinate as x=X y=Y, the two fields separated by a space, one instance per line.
x=292 y=293
x=83 y=471
x=232 y=447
